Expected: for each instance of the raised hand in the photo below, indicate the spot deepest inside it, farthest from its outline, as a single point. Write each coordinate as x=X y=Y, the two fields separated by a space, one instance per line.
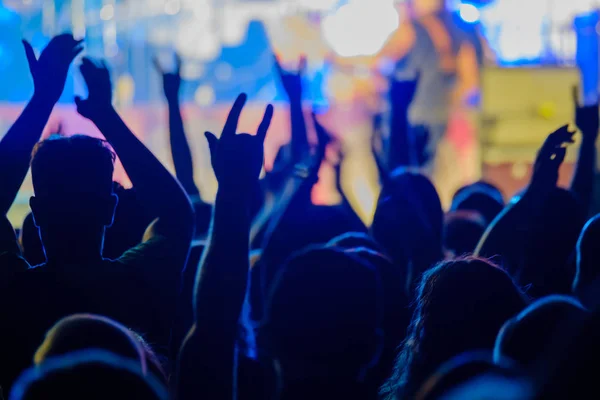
x=549 y=159
x=49 y=71
x=97 y=79
x=171 y=80
x=237 y=159
x=292 y=81
x=587 y=118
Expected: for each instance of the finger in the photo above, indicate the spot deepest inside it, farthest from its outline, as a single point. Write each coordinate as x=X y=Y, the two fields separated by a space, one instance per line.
x=233 y=118
x=552 y=141
x=559 y=134
x=30 y=54
x=575 y=95
x=157 y=65
x=212 y=143
x=266 y=122
x=563 y=135
x=570 y=136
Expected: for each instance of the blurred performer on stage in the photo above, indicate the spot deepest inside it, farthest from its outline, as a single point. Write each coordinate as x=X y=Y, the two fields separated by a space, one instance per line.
x=433 y=44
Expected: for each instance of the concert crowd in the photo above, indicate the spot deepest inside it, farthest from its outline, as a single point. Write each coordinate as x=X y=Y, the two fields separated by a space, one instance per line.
x=151 y=293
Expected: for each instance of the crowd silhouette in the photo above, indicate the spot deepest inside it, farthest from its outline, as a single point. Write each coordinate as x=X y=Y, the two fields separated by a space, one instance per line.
x=152 y=293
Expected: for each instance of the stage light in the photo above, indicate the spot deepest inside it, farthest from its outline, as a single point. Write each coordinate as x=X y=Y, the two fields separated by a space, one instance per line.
x=360 y=28
x=107 y=12
x=469 y=13
x=205 y=96
x=172 y=7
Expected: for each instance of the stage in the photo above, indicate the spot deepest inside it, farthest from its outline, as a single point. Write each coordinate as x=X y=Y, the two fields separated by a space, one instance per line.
x=227 y=47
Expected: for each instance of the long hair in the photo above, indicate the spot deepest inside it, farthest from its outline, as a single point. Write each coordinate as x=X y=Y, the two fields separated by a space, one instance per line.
x=460 y=306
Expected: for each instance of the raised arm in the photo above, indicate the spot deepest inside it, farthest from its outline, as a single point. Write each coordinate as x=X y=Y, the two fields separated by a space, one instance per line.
x=507 y=234
x=292 y=83
x=180 y=148
x=207 y=358
x=400 y=146
x=49 y=74
x=295 y=199
x=157 y=189
x=588 y=122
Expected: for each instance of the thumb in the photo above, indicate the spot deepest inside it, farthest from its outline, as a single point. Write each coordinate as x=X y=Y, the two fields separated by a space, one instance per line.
x=212 y=143
x=30 y=54
x=80 y=105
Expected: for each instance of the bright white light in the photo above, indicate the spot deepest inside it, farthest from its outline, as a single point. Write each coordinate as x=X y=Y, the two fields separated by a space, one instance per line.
x=515 y=29
x=107 y=12
x=204 y=96
x=172 y=7
x=360 y=27
x=469 y=13
x=194 y=40
x=234 y=32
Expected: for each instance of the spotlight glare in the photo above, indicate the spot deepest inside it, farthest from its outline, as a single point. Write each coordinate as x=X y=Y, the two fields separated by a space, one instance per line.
x=360 y=28
x=469 y=13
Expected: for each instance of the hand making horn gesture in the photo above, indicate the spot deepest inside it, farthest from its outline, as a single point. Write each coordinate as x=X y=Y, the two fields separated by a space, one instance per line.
x=237 y=159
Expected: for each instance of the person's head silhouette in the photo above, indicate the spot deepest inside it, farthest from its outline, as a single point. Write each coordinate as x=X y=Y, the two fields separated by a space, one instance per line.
x=88 y=374
x=462 y=232
x=323 y=318
x=527 y=336
x=482 y=197
x=588 y=256
x=461 y=306
x=74 y=200
x=84 y=331
x=408 y=223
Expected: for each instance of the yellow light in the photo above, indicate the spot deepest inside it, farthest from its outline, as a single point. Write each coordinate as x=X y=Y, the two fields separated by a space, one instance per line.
x=547 y=110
